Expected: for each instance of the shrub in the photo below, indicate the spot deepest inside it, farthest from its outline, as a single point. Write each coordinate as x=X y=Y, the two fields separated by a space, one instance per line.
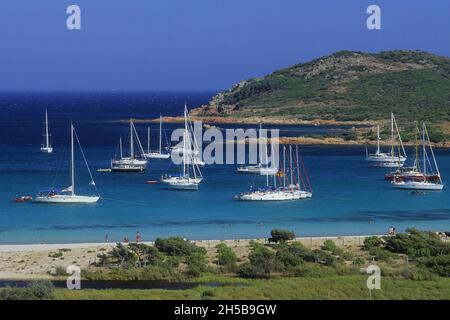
x=359 y=261
x=145 y=254
x=35 y=290
x=329 y=245
x=58 y=254
x=312 y=270
x=281 y=235
x=225 y=255
x=207 y=294
x=324 y=258
x=439 y=265
x=248 y=270
x=196 y=264
x=60 y=271
x=346 y=255
x=381 y=254
x=289 y=256
x=176 y=246
x=261 y=263
x=372 y=242
x=417 y=243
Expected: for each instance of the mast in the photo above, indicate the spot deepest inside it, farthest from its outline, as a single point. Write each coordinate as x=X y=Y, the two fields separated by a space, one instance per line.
x=259 y=140
x=267 y=173
x=131 y=140
x=378 y=139
x=284 y=167
x=290 y=165
x=184 y=142
x=424 y=150
x=148 y=139
x=392 y=134
x=416 y=142
x=160 y=133
x=72 y=161
x=274 y=176
x=298 y=168
x=47 y=142
x=432 y=153
x=120 y=146
x=399 y=137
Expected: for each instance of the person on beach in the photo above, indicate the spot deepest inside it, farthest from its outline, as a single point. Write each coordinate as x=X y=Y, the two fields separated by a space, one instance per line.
x=106 y=238
x=138 y=237
x=125 y=240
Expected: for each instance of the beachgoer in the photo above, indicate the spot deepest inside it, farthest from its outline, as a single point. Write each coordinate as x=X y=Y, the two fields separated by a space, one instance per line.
x=138 y=237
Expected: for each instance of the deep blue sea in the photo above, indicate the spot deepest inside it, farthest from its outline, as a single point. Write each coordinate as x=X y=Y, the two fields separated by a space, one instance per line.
x=350 y=198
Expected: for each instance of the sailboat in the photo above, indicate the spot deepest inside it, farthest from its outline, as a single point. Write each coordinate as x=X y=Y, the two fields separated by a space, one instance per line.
x=46 y=146
x=191 y=176
x=68 y=195
x=289 y=189
x=390 y=159
x=411 y=172
x=258 y=168
x=156 y=154
x=131 y=163
x=429 y=177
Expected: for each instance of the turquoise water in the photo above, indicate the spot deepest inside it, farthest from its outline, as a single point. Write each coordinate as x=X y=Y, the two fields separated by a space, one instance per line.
x=350 y=198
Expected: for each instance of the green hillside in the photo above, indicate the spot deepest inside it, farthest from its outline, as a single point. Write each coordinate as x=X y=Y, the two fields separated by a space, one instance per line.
x=346 y=86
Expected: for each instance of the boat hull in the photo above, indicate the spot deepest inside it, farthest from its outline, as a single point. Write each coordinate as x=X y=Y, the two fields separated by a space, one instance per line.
x=128 y=169
x=274 y=196
x=418 y=186
x=47 y=149
x=128 y=165
x=161 y=156
x=66 y=199
x=186 y=187
x=257 y=170
x=173 y=180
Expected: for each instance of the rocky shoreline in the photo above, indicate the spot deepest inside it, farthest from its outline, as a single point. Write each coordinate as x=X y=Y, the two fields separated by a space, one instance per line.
x=305 y=140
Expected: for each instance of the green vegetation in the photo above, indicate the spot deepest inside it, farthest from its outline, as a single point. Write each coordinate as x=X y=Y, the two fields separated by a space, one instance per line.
x=350 y=86
x=36 y=290
x=324 y=287
x=414 y=265
x=281 y=235
x=226 y=256
x=170 y=259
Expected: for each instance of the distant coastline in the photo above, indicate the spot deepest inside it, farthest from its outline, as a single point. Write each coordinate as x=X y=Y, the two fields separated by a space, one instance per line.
x=305 y=140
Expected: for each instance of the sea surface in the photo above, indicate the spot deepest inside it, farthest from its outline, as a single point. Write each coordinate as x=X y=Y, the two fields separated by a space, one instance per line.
x=350 y=198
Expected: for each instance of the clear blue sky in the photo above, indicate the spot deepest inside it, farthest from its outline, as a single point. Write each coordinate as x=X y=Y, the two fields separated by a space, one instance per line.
x=197 y=44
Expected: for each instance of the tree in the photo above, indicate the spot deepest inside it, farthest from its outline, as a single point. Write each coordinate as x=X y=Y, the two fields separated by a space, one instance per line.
x=225 y=255
x=177 y=246
x=329 y=245
x=281 y=235
x=372 y=242
x=262 y=262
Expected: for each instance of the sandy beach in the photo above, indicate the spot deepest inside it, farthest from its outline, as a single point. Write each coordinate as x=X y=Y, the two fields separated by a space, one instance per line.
x=39 y=261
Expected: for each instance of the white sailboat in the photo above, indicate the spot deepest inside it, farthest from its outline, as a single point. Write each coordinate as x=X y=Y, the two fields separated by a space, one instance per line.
x=390 y=159
x=290 y=189
x=258 y=168
x=423 y=181
x=131 y=163
x=68 y=195
x=46 y=146
x=156 y=154
x=191 y=176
